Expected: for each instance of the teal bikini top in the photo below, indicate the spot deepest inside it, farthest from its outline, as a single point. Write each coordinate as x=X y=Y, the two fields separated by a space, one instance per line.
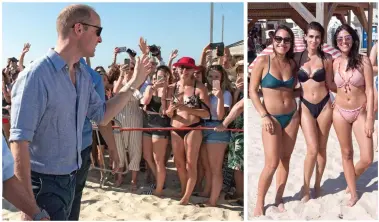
x=269 y=81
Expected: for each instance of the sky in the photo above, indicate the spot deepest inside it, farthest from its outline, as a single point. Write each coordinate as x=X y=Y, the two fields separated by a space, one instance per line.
x=182 y=26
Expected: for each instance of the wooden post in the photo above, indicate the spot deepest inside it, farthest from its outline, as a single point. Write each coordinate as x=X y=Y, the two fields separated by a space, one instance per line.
x=320 y=12
x=348 y=17
x=369 y=33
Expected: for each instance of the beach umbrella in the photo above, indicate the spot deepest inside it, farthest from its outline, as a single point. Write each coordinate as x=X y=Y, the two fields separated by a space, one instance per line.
x=299 y=47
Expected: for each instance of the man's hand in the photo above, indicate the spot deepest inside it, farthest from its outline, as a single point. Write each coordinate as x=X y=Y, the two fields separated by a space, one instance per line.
x=141 y=71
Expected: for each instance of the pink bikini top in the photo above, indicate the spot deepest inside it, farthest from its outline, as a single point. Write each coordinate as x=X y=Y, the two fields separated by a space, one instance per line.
x=356 y=79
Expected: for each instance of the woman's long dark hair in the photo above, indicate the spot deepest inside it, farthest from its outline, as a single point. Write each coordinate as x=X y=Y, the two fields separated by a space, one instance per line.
x=354 y=58
x=317 y=27
x=225 y=83
x=290 y=54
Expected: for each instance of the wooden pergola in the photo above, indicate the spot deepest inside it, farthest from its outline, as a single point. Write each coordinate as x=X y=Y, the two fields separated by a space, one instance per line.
x=304 y=13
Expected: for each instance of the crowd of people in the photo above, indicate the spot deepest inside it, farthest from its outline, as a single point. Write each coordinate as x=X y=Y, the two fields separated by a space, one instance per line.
x=311 y=76
x=50 y=106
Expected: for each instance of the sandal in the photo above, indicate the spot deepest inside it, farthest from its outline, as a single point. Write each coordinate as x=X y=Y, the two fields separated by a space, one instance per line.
x=231 y=197
x=149 y=192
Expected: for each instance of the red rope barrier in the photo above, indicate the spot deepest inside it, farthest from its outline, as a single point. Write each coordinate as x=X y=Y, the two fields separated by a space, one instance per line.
x=169 y=128
x=163 y=128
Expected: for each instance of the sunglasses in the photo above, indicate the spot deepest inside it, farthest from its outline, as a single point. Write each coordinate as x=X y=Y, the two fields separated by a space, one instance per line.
x=98 y=31
x=347 y=38
x=185 y=67
x=279 y=39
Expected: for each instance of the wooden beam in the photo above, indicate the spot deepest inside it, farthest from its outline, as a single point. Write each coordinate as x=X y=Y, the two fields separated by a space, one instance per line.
x=300 y=21
x=360 y=13
x=303 y=11
x=369 y=33
x=331 y=8
x=341 y=18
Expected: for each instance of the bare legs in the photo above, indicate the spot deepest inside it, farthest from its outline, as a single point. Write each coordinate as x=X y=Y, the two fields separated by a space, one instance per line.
x=186 y=154
x=316 y=132
x=344 y=134
x=277 y=149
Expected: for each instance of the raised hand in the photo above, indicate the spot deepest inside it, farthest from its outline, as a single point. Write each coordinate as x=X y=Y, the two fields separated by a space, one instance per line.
x=207 y=47
x=141 y=70
x=173 y=54
x=143 y=46
x=26 y=48
x=116 y=50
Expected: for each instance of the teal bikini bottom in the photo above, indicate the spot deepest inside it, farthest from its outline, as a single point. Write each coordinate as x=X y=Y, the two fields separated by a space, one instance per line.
x=284 y=119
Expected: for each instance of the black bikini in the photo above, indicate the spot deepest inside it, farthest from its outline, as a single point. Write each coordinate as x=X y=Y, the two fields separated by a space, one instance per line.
x=193 y=101
x=318 y=76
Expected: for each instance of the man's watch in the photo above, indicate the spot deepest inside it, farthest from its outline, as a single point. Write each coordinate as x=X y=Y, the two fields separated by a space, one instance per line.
x=41 y=215
x=136 y=93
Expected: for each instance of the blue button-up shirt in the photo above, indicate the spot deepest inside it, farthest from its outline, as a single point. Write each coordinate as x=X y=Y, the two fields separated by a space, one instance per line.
x=99 y=87
x=8 y=162
x=49 y=111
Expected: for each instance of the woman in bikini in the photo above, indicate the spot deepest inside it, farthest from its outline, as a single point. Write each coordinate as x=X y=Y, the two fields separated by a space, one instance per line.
x=354 y=106
x=154 y=143
x=275 y=74
x=186 y=110
x=315 y=74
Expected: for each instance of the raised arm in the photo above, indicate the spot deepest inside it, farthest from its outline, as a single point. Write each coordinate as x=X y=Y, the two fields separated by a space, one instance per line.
x=173 y=55
x=116 y=51
x=23 y=53
x=204 y=55
x=119 y=83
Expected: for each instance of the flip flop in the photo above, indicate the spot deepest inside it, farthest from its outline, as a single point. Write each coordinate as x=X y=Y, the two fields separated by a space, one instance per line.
x=149 y=192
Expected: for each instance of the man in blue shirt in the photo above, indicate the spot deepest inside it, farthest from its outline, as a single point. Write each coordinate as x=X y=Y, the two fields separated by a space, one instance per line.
x=50 y=101
x=14 y=191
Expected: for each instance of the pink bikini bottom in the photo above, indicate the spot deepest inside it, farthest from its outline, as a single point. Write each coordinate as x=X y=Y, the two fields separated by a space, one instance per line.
x=349 y=115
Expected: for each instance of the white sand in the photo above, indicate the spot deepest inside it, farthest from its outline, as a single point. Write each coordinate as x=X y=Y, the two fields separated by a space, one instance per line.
x=328 y=207
x=120 y=204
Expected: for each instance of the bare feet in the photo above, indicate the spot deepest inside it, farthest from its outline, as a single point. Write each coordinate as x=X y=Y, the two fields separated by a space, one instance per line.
x=306 y=196
x=317 y=191
x=352 y=201
x=119 y=180
x=280 y=206
x=258 y=211
x=134 y=186
x=184 y=201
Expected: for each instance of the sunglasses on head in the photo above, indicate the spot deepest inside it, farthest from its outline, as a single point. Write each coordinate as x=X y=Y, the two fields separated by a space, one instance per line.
x=347 y=38
x=279 y=39
x=98 y=31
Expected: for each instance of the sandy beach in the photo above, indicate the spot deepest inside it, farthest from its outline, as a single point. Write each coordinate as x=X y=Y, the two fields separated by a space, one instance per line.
x=110 y=203
x=330 y=206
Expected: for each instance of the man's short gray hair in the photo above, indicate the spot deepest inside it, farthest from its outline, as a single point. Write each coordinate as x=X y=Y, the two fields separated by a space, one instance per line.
x=71 y=15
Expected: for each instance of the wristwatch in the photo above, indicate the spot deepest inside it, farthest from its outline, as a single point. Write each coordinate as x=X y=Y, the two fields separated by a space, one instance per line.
x=41 y=215
x=136 y=93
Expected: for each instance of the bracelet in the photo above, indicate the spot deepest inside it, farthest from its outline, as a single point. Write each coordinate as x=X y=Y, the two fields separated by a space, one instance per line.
x=263 y=116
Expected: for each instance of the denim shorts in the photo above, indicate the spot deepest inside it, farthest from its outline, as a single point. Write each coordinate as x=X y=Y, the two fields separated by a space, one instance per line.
x=211 y=136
